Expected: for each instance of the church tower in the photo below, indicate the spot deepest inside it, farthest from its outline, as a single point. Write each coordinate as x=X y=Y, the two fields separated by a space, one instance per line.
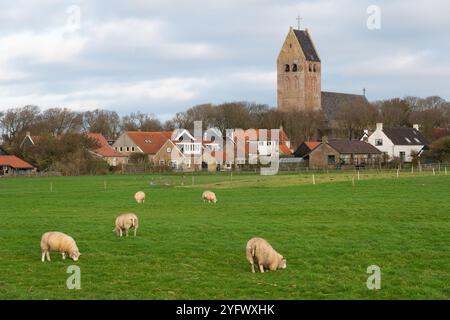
x=298 y=73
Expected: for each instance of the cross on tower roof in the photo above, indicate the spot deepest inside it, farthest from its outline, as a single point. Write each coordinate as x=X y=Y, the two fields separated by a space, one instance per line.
x=298 y=21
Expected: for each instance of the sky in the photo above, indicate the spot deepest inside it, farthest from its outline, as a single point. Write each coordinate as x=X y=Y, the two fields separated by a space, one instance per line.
x=164 y=56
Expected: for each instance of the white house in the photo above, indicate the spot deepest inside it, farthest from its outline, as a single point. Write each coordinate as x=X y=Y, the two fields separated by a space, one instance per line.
x=397 y=142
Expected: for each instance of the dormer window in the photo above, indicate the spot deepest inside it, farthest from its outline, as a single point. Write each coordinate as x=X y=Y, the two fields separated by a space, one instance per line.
x=147 y=141
x=416 y=140
x=407 y=140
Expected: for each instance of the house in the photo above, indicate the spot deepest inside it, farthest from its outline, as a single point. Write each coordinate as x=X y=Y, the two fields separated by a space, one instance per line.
x=30 y=140
x=400 y=143
x=148 y=143
x=305 y=149
x=170 y=156
x=12 y=165
x=343 y=153
x=105 y=151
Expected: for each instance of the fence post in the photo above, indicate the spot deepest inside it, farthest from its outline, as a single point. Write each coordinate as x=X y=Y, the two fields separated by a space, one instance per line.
x=313 y=179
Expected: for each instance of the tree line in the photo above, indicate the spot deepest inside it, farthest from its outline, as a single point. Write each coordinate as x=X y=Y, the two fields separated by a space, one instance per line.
x=349 y=122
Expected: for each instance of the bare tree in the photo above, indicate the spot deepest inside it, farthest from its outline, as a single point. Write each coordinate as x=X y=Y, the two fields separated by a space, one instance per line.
x=102 y=121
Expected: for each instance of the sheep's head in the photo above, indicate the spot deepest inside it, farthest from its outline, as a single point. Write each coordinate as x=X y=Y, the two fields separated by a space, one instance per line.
x=75 y=255
x=283 y=263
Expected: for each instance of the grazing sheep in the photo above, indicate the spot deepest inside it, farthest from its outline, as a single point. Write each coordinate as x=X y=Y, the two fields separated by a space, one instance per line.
x=125 y=222
x=209 y=196
x=260 y=252
x=59 y=242
x=140 y=197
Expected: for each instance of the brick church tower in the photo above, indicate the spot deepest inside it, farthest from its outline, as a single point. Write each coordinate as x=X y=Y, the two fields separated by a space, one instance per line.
x=298 y=73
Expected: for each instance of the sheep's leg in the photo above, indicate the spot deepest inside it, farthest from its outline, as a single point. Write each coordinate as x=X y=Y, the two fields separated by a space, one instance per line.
x=120 y=232
x=135 y=231
x=43 y=256
x=48 y=255
x=261 y=268
x=64 y=256
x=126 y=232
x=253 y=268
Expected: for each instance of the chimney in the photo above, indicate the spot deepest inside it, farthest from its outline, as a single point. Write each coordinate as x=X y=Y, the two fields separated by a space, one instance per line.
x=416 y=126
x=324 y=139
x=28 y=133
x=380 y=126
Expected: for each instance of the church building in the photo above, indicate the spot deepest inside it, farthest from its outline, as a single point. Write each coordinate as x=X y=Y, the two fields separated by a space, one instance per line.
x=299 y=79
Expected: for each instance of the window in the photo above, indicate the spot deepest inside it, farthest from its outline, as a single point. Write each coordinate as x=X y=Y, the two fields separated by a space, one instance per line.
x=115 y=148
x=416 y=140
x=294 y=68
x=173 y=164
x=147 y=141
x=121 y=149
x=378 y=142
x=128 y=149
x=286 y=68
x=402 y=156
x=331 y=159
x=310 y=67
x=407 y=140
x=169 y=150
x=269 y=143
x=162 y=162
x=132 y=149
x=314 y=68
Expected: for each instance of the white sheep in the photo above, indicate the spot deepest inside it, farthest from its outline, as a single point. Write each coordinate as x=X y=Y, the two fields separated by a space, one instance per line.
x=59 y=242
x=140 y=197
x=261 y=253
x=209 y=196
x=125 y=222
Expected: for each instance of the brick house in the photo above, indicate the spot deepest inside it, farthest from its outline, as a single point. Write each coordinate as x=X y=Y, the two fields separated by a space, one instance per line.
x=332 y=154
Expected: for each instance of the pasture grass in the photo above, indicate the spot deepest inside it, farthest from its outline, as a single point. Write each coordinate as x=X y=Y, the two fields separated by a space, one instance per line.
x=186 y=249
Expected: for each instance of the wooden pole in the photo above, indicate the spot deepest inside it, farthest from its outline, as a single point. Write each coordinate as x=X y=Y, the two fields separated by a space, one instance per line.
x=353 y=180
x=445 y=170
x=51 y=186
x=104 y=184
x=358 y=176
x=434 y=172
x=314 y=179
x=398 y=172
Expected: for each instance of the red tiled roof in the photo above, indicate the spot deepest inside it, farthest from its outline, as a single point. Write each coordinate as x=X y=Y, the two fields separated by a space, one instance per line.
x=312 y=144
x=105 y=149
x=14 y=162
x=285 y=150
x=149 y=142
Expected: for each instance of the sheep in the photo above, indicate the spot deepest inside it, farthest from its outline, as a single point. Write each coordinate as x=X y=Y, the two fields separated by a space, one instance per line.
x=140 y=197
x=59 y=242
x=209 y=196
x=125 y=222
x=260 y=252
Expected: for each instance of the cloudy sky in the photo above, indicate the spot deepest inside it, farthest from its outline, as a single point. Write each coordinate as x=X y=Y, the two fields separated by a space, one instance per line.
x=163 y=56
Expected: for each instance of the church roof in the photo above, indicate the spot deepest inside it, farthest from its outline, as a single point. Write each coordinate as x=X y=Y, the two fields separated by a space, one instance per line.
x=333 y=102
x=307 y=45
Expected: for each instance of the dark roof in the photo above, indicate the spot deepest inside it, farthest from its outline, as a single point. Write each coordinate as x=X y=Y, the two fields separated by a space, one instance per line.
x=333 y=102
x=405 y=136
x=353 y=147
x=3 y=152
x=307 y=45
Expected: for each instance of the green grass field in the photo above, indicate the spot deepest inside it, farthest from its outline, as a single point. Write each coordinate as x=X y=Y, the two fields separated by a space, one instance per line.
x=329 y=232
